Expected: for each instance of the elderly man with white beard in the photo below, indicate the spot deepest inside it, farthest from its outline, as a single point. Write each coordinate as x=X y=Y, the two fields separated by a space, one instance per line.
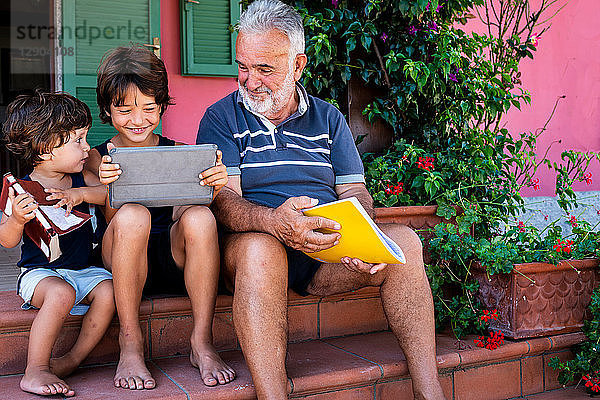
x=286 y=151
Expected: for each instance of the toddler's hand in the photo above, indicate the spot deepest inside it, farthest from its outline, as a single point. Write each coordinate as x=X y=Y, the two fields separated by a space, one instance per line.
x=23 y=207
x=107 y=171
x=215 y=176
x=69 y=197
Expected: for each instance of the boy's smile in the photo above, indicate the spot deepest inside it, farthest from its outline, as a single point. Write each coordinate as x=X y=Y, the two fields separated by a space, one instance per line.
x=136 y=119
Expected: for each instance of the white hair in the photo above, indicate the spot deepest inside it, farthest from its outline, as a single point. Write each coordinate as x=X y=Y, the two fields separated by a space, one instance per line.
x=264 y=15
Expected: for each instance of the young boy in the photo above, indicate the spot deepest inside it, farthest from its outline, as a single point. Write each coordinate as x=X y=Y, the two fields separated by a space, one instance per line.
x=161 y=249
x=48 y=131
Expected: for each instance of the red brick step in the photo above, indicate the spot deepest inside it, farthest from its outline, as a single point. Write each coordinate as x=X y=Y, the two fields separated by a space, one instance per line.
x=364 y=366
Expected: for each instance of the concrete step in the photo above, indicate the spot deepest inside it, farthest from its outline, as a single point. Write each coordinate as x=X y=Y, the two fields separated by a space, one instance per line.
x=363 y=366
x=167 y=325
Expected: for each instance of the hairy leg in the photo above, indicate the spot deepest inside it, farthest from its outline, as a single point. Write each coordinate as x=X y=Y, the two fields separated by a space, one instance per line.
x=407 y=303
x=55 y=298
x=256 y=264
x=94 y=326
x=124 y=250
x=195 y=248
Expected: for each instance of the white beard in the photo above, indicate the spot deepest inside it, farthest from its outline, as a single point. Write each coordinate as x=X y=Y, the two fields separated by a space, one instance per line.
x=275 y=101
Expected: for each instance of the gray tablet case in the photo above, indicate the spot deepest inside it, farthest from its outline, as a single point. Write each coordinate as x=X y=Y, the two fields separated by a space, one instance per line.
x=162 y=176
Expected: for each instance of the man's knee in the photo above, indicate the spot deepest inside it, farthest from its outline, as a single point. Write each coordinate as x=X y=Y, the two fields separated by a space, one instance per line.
x=258 y=257
x=408 y=240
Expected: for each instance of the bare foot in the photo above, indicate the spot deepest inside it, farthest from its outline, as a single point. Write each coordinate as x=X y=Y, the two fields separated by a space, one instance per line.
x=132 y=373
x=42 y=381
x=63 y=366
x=212 y=368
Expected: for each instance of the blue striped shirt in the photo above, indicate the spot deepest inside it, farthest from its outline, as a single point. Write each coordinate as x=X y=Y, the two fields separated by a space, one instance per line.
x=305 y=155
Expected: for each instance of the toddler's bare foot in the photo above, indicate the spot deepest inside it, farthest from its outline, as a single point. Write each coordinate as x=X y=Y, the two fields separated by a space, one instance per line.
x=132 y=373
x=42 y=381
x=212 y=368
x=63 y=366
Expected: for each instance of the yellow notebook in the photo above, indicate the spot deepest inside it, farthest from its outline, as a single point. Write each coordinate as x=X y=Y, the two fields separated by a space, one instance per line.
x=361 y=237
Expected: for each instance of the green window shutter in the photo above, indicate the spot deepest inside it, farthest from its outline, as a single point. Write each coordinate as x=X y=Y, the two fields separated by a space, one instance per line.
x=207 y=37
x=92 y=27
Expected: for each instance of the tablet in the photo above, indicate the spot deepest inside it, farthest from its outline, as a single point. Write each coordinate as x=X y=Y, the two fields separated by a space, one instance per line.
x=162 y=175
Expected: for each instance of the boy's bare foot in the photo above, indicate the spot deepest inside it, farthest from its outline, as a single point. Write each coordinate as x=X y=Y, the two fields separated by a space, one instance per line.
x=63 y=366
x=132 y=373
x=212 y=368
x=42 y=381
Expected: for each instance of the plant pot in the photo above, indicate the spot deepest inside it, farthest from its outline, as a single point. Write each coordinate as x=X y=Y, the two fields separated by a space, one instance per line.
x=421 y=219
x=553 y=300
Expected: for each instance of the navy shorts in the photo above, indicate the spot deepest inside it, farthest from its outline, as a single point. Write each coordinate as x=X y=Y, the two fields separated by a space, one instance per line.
x=164 y=277
x=301 y=270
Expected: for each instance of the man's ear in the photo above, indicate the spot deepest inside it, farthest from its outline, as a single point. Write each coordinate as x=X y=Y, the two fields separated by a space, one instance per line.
x=299 y=64
x=46 y=156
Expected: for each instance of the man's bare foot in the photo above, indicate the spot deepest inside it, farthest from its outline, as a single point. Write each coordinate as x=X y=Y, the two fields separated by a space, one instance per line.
x=132 y=373
x=63 y=366
x=212 y=368
x=42 y=381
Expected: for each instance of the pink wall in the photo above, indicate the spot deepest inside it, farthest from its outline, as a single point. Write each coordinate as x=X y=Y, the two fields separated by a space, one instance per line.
x=193 y=94
x=567 y=62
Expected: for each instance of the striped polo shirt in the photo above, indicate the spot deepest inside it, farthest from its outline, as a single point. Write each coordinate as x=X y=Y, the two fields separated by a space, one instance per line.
x=305 y=155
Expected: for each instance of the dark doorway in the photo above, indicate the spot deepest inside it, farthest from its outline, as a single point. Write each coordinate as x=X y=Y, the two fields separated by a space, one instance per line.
x=26 y=58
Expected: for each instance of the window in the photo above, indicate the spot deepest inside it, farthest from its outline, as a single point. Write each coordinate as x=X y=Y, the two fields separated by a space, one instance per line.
x=208 y=37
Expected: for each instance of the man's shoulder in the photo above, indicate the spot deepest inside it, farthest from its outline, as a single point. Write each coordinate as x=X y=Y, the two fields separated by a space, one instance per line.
x=322 y=107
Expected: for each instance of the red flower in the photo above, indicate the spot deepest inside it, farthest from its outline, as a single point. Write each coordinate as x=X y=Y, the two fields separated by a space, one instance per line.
x=489 y=315
x=495 y=340
x=588 y=178
x=395 y=189
x=558 y=246
x=425 y=163
x=567 y=248
x=536 y=184
x=573 y=221
x=521 y=226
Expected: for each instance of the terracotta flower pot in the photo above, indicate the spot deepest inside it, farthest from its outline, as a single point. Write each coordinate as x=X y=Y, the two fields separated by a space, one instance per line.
x=553 y=300
x=422 y=219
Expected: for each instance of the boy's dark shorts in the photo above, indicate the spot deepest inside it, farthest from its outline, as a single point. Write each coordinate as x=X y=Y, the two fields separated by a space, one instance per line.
x=301 y=270
x=164 y=277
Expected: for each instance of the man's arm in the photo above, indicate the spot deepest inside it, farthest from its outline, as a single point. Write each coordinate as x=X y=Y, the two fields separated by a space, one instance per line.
x=286 y=222
x=358 y=190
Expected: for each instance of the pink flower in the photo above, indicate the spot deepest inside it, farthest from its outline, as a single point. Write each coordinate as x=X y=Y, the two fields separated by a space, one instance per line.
x=452 y=77
x=412 y=30
x=335 y=3
x=384 y=37
x=432 y=26
x=535 y=38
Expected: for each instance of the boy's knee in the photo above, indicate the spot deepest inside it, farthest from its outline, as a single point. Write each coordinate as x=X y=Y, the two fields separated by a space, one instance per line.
x=60 y=296
x=104 y=292
x=198 y=220
x=133 y=218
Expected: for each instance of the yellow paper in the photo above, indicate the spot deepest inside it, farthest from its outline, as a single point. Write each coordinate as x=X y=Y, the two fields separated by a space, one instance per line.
x=360 y=237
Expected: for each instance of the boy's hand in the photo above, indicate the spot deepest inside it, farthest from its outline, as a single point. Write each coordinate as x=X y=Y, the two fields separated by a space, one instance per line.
x=23 y=207
x=107 y=171
x=215 y=176
x=69 y=197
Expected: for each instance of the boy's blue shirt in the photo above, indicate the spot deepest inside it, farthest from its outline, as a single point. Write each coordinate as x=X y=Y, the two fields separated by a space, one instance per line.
x=305 y=155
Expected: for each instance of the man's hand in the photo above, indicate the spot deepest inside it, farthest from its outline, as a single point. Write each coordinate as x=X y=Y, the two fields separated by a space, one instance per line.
x=107 y=171
x=23 y=207
x=356 y=265
x=298 y=231
x=68 y=197
x=215 y=176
